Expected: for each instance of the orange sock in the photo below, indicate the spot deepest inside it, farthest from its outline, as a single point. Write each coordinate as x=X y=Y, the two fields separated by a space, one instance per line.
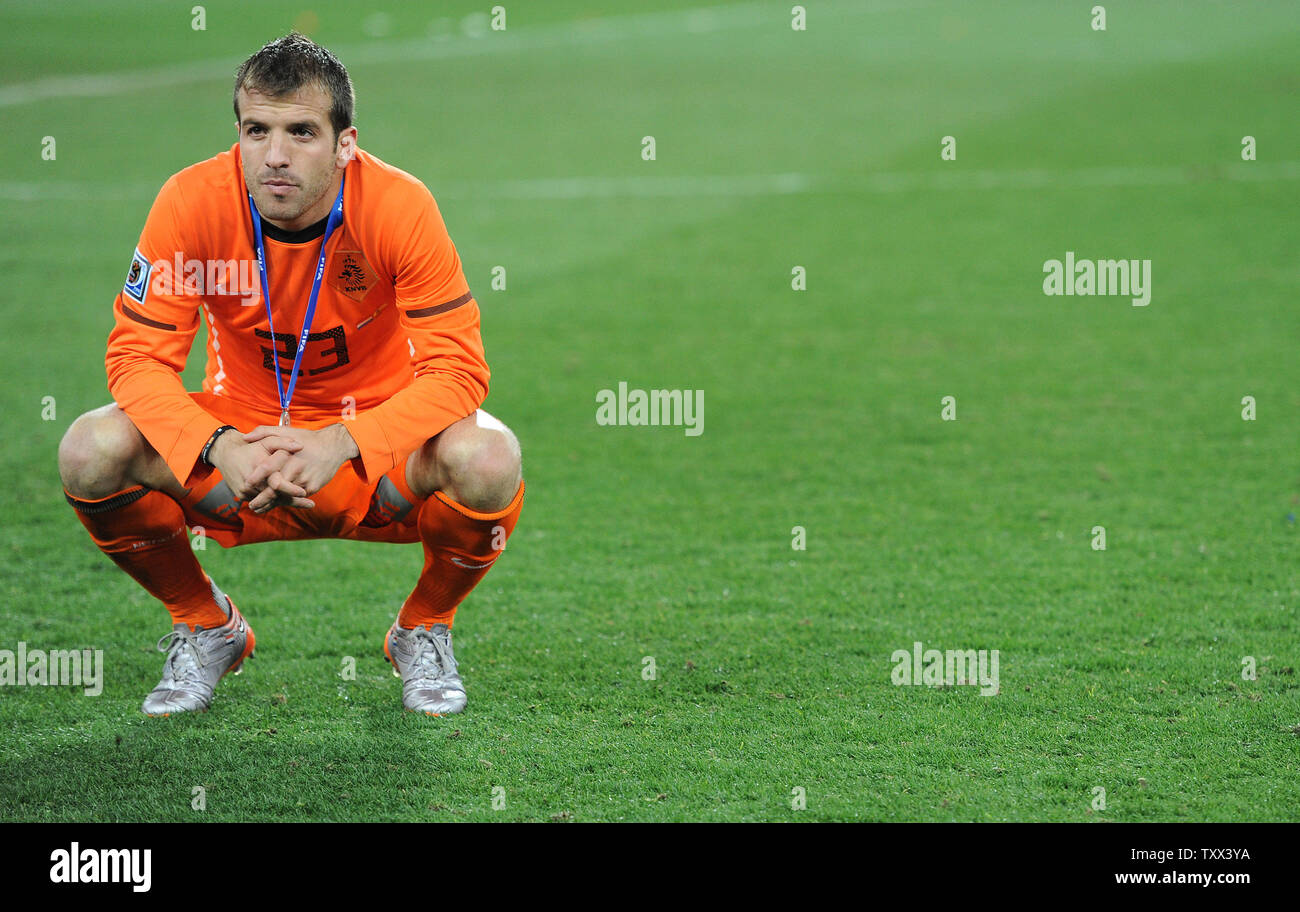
x=143 y=531
x=460 y=546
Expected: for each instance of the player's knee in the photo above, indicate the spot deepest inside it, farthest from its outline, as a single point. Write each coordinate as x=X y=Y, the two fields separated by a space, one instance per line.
x=97 y=452
x=481 y=470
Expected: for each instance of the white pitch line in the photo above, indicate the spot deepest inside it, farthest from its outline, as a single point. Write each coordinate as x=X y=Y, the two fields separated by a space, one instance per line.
x=83 y=191
x=745 y=185
x=448 y=45
x=1034 y=179
x=572 y=188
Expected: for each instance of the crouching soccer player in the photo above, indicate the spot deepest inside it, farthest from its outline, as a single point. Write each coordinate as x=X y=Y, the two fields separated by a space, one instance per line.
x=345 y=371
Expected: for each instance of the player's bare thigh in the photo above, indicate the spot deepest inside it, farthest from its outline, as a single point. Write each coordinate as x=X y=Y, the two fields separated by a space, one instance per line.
x=103 y=452
x=475 y=461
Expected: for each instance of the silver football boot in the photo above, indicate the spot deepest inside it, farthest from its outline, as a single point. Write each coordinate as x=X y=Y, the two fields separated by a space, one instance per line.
x=423 y=659
x=198 y=659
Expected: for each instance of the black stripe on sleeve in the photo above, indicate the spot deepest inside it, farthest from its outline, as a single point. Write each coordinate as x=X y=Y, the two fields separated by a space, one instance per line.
x=141 y=318
x=440 y=308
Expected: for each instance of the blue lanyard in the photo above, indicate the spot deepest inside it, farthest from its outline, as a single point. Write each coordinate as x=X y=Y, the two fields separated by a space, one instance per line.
x=335 y=219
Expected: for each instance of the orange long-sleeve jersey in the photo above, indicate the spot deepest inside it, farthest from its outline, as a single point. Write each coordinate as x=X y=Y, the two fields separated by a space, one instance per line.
x=394 y=342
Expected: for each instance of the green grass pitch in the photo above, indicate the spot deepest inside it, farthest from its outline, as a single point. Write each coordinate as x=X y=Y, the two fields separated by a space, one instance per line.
x=1120 y=669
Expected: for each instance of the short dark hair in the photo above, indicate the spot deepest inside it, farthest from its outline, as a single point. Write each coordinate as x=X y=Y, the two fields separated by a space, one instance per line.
x=289 y=63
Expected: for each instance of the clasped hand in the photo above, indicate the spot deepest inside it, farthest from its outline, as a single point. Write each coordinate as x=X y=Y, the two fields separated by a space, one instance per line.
x=281 y=466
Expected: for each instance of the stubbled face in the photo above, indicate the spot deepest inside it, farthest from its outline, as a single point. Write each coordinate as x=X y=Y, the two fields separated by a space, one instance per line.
x=292 y=163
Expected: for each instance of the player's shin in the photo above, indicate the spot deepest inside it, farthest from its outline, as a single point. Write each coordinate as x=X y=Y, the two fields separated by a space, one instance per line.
x=460 y=546
x=143 y=531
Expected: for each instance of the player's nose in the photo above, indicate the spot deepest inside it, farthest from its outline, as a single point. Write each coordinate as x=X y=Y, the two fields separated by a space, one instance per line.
x=277 y=152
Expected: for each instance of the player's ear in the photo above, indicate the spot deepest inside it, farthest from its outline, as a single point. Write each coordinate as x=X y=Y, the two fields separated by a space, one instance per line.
x=347 y=147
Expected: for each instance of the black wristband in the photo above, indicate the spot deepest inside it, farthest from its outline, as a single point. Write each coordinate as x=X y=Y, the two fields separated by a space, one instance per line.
x=207 y=447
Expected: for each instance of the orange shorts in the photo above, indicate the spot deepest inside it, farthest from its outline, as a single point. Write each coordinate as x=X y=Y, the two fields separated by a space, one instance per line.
x=347 y=507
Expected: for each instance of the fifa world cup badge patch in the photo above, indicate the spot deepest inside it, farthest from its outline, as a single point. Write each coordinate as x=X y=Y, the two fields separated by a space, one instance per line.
x=137 y=277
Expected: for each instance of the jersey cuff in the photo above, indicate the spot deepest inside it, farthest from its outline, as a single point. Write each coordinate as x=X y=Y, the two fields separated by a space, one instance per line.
x=183 y=459
x=377 y=457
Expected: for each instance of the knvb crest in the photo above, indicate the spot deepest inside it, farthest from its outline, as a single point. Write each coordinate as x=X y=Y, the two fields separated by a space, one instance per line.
x=351 y=274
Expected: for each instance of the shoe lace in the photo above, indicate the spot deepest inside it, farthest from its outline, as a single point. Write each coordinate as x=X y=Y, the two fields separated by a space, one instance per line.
x=184 y=658
x=433 y=656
